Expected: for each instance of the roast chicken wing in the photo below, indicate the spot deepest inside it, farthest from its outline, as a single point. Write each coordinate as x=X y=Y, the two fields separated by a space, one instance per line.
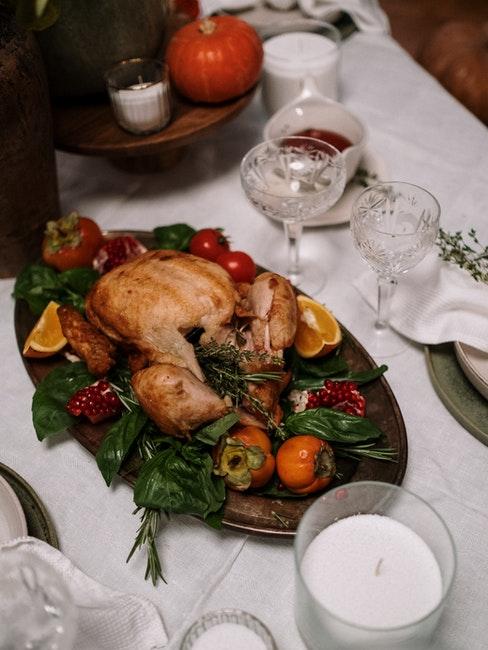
x=152 y=302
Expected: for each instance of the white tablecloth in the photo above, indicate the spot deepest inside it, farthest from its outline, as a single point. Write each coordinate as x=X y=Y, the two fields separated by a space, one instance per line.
x=425 y=137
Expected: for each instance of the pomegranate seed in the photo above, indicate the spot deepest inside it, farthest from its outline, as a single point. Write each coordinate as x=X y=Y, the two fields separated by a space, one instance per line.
x=117 y=251
x=340 y=395
x=96 y=402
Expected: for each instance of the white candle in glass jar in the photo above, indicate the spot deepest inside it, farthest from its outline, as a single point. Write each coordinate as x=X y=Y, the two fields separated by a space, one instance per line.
x=142 y=108
x=289 y=59
x=372 y=571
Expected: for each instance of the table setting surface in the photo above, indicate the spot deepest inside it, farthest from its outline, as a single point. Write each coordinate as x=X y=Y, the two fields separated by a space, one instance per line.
x=425 y=137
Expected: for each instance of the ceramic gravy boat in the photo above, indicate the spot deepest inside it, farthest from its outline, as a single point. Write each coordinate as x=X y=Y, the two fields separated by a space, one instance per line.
x=311 y=110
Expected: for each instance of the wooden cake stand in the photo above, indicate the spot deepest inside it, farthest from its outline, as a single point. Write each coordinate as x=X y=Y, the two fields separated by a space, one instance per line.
x=89 y=128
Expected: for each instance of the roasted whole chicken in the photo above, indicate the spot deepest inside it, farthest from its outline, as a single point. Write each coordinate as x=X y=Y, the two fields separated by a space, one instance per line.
x=149 y=306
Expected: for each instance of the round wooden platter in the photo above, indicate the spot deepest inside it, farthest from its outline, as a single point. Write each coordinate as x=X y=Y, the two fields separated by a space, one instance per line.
x=88 y=127
x=252 y=513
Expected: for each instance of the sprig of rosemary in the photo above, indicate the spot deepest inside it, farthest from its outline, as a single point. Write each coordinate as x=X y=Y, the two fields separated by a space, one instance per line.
x=146 y=537
x=150 y=521
x=366 y=450
x=454 y=248
x=224 y=368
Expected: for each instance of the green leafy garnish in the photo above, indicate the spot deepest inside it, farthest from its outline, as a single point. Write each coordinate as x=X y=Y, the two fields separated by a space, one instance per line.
x=49 y=414
x=176 y=237
x=39 y=284
x=361 y=377
x=211 y=434
x=118 y=441
x=453 y=248
x=331 y=425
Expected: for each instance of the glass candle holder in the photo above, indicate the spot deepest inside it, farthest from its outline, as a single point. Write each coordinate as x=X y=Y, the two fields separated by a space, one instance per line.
x=300 y=62
x=374 y=566
x=228 y=628
x=139 y=91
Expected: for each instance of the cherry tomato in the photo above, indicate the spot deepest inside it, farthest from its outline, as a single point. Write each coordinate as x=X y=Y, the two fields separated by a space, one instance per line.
x=70 y=242
x=244 y=458
x=238 y=265
x=209 y=243
x=305 y=464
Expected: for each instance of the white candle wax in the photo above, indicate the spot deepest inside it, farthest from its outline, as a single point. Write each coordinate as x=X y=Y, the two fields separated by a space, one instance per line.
x=372 y=571
x=290 y=58
x=229 y=635
x=142 y=107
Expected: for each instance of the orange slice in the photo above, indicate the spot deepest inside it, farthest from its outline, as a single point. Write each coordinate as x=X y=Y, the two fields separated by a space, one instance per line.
x=318 y=332
x=46 y=337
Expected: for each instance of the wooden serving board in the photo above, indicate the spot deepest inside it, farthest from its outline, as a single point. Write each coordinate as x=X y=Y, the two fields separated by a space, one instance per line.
x=247 y=512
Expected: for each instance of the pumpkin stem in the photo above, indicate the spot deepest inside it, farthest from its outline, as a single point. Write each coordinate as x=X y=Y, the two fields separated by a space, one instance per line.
x=207 y=26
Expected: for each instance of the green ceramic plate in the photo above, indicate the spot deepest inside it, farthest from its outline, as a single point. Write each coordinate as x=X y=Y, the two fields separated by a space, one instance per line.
x=39 y=523
x=464 y=402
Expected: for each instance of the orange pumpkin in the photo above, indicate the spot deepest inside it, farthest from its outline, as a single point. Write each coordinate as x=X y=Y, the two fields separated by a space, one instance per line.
x=457 y=55
x=214 y=59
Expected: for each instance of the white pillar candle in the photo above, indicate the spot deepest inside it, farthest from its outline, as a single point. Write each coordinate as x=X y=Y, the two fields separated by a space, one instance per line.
x=289 y=59
x=143 y=107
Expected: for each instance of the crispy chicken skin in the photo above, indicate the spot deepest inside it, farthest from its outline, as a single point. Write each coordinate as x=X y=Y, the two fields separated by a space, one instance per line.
x=153 y=301
x=92 y=346
x=176 y=400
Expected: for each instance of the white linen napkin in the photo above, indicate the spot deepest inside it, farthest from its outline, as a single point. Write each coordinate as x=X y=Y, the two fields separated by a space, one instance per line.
x=367 y=15
x=107 y=619
x=435 y=302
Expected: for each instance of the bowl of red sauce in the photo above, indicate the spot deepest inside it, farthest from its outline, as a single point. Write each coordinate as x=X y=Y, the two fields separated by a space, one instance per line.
x=326 y=120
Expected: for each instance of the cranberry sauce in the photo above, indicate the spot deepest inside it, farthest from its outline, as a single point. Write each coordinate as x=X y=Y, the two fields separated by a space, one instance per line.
x=335 y=139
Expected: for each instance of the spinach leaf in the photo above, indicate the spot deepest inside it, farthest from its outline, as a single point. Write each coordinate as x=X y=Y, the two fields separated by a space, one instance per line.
x=117 y=442
x=331 y=425
x=180 y=481
x=39 y=284
x=210 y=434
x=49 y=414
x=176 y=237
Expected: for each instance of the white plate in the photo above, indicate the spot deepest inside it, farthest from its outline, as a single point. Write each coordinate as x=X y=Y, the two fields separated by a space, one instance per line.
x=12 y=518
x=474 y=364
x=341 y=211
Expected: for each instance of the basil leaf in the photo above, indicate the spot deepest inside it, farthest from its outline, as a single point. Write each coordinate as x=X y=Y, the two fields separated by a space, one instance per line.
x=214 y=519
x=180 y=482
x=210 y=434
x=117 y=442
x=331 y=425
x=49 y=414
x=176 y=237
x=361 y=377
x=79 y=280
x=37 y=284
x=325 y=367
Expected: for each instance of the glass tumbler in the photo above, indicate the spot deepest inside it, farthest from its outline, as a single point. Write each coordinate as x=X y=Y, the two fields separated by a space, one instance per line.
x=374 y=565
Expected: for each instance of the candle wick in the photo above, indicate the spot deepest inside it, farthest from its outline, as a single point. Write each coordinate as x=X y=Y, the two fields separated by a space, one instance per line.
x=378 y=567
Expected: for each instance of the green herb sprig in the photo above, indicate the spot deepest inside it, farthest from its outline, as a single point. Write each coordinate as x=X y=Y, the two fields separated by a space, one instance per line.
x=469 y=254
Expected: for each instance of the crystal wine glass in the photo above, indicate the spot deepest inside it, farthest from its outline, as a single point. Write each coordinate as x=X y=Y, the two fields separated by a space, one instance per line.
x=294 y=178
x=394 y=225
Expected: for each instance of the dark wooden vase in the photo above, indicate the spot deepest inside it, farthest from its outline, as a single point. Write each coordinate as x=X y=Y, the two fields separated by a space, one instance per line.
x=28 y=183
x=90 y=36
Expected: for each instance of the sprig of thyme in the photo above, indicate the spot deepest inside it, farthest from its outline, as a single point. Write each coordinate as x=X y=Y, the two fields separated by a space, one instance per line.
x=366 y=450
x=364 y=177
x=454 y=248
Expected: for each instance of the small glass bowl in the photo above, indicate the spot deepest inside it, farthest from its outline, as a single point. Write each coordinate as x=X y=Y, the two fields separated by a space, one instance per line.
x=235 y=616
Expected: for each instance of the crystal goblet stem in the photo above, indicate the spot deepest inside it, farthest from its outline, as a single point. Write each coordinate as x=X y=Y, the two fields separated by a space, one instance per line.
x=293 y=233
x=386 y=289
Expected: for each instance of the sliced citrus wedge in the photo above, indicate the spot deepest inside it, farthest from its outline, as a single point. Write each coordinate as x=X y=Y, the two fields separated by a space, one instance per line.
x=318 y=332
x=46 y=337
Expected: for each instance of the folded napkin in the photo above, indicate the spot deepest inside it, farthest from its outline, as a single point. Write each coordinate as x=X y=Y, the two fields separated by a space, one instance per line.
x=434 y=303
x=107 y=619
x=367 y=15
